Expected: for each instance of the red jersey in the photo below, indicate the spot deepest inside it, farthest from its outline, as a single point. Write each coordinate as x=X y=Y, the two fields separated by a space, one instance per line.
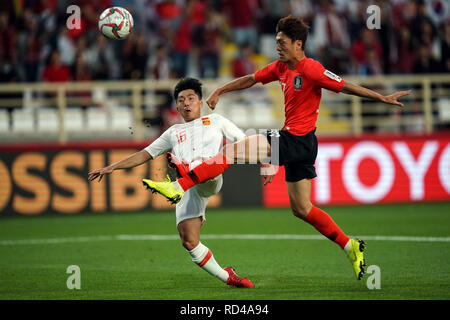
x=302 y=88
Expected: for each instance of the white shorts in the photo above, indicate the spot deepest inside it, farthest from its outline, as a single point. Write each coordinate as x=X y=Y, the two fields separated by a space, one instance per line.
x=193 y=202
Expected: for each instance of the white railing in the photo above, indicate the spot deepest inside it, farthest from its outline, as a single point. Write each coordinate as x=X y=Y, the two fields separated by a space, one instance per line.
x=125 y=105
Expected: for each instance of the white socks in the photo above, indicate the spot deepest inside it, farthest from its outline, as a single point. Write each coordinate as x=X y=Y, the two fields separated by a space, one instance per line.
x=203 y=257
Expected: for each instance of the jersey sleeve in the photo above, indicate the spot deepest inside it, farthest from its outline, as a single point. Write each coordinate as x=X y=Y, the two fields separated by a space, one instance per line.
x=267 y=74
x=160 y=145
x=323 y=77
x=231 y=131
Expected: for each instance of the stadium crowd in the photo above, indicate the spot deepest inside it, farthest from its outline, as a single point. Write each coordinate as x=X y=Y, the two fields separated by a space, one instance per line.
x=170 y=35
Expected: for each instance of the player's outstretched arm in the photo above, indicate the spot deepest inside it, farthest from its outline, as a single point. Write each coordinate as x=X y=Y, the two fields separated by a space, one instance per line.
x=356 y=90
x=236 y=84
x=131 y=161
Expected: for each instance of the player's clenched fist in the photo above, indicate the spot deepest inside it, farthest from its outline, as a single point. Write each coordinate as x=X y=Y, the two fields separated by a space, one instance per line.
x=212 y=100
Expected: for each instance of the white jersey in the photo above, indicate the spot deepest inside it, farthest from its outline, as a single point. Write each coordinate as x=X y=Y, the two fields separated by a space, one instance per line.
x=197 y=140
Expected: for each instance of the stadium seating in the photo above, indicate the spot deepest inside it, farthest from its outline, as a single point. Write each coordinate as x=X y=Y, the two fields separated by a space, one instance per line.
x=47 y=120
x=74 y=118
x=121 y=119
x=23 y=120
x=97 y=119
x=4 y=121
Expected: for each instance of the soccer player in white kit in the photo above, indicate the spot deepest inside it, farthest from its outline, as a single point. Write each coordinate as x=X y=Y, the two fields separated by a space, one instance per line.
x=192 y=142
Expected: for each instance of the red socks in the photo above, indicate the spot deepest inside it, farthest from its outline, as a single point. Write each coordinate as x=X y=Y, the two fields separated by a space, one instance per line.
x=208 y=169
x=325 y=225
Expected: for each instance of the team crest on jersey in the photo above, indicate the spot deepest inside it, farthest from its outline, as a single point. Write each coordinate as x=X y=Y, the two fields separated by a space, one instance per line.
x=206 y=121
x=331 y=75
x=298 y=82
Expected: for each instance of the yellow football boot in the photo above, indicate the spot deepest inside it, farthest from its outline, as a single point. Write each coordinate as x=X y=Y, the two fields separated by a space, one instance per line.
x=165 y=188
x=356 y=257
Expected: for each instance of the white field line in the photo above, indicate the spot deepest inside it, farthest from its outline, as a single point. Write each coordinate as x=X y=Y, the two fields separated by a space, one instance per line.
x=154 y=237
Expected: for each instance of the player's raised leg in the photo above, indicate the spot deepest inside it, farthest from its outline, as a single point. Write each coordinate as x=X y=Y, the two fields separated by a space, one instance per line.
x=189 y=231
x=299 y=197
x=252 y=149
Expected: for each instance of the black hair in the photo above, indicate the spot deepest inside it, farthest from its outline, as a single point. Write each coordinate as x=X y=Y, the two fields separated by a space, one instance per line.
x=188 y=83
x=294 y=29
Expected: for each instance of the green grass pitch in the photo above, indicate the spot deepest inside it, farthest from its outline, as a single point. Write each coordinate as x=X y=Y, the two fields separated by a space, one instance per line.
x=32 y=266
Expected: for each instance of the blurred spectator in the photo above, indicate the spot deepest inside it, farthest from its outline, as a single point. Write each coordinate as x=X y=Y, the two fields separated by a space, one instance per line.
x=135 y=57
x=272 y=11
x=210 y=46
x=56 y=71
x=243 y=63
x=8 y=38
x=8 y=73
x=445 y=47
x=371 y=65
x=90 y=15
x=242 y=18
x=81 y=46
x=421 y=22
x=168 y=9
x=159 y=64
x=66 y=46
x=405 y=55
x=182 y=44
x=169 y=13
x=386 y=35
x=102 y=60
x=425 y=62
x=300 y=8
x=80 y=70
x=48 y=19
x=29 y=47
x=330 y=38
x=196 y=30
x=429 y=39
x=360 y=48
x=197 y=16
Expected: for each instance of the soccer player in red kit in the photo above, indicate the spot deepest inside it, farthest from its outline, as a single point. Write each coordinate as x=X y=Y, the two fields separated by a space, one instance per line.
x=301 y=80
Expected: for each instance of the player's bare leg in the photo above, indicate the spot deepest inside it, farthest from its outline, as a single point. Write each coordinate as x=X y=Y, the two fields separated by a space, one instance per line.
x=252 y=149
x=189 y=231
x=299 y=196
